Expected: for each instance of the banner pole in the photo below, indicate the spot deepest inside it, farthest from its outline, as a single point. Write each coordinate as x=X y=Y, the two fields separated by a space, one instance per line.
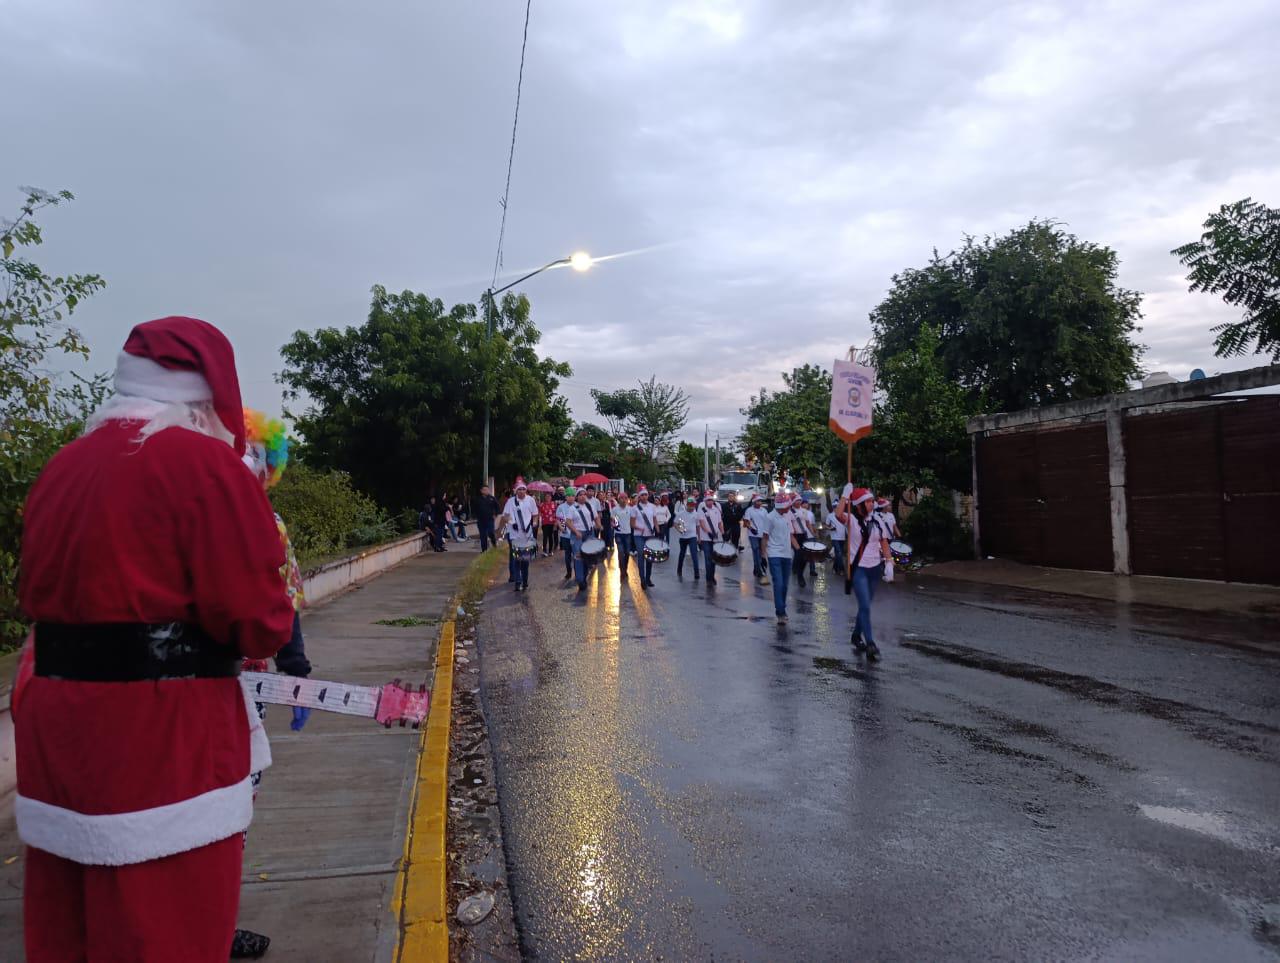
x=850 y=478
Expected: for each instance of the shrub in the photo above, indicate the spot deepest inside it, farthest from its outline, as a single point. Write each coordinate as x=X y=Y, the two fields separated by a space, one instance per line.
x=934 y=531
x=325 y=514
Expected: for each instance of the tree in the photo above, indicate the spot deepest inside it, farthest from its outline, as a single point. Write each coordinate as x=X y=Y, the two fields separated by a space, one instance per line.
x=398 y=402
x=788 y=428
x=39 y=411
x=616 y=407
x=689 y=461
x=661 y=411
x=1238 y=256
x=919 y=439
x=590 y=444
x=1031 y=318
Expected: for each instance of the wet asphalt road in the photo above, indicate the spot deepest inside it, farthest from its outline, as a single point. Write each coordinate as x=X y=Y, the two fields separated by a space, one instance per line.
x=1024 y=776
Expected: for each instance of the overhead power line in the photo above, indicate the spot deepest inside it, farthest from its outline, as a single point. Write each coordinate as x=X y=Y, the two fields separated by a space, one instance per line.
x=515 y=123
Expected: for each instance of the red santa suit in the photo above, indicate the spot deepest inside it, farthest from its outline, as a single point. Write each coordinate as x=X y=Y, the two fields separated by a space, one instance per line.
x=134 y=756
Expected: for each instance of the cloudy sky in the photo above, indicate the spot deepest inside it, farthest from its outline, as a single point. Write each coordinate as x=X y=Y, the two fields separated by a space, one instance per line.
x=262 y=165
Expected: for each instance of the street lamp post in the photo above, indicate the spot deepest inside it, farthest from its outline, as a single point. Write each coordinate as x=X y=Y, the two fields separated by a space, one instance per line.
x=579 y=261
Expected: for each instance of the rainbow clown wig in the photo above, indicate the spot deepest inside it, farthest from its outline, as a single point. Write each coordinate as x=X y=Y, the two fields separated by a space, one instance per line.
x=266 y=446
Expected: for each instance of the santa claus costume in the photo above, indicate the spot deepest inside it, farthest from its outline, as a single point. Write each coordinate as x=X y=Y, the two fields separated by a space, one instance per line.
x=150 y=567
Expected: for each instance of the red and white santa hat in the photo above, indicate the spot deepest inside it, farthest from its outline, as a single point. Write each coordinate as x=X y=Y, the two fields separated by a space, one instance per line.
x=180 y=359
x=781 y=500
x=883 y=503
x=857 y=496
x=642 y=491
x=709 y=496
x=520 y=483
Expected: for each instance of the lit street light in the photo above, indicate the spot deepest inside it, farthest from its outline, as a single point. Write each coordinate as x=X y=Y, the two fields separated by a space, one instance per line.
x=580 y=261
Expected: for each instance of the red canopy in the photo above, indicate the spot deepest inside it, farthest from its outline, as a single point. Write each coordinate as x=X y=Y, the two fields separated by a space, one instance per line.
x=591 y=478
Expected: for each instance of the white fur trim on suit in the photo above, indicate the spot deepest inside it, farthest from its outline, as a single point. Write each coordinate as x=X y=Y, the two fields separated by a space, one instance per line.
x=259 y=746
x=143 y=378
x=119 y=839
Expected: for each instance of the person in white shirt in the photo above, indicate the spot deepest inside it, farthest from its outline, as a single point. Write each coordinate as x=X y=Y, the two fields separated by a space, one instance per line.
x=778 y=542
x=582 y=526
x=686 y=525
x=755 y=519
x=594 y=501
x=566 y=534
x=662 y=512
x=838 y=537
x=710 y=531
x=802 y=526
x=884 y=515
x=520 y=518
x=868 y=562
x=622 y=531
x=644 y=525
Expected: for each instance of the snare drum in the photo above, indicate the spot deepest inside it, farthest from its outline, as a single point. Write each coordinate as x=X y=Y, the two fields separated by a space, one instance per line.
x=525 y=553
x=814 y=551
x=592 y=550
x=900 y=552
x=656 y=550
x=724 y=553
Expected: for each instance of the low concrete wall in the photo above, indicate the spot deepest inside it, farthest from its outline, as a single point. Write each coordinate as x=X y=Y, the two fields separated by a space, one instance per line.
x=328 y=580
x=319 y=584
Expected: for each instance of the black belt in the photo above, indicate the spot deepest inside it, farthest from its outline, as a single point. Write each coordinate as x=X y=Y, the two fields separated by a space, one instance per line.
x=131 y=652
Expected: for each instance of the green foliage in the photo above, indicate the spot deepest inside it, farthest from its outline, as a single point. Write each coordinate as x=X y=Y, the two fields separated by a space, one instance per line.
x=616 y=407
x=788 y=428
x=398 y=402
x=1031 y=318
x=589 y=444
x=325 y=515
x=39 y=411
x=919 y=439
x=689 y=460
x=1238 y=256
x=660 y=412
x=934 y=532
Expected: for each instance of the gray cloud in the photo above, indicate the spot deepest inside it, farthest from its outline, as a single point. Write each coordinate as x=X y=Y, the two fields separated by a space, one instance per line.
x=264 y=165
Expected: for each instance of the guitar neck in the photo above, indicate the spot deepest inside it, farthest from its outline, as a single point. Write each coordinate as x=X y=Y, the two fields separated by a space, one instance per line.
x=285 y=690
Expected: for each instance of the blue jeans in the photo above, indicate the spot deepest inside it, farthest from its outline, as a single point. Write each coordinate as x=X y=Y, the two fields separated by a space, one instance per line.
x=567 y=544
x=646 y=566
x=486 y=534
x=689 y=545
x=511 y=561
x=624 y=550
x=780 y=576
x=838 y=552
x=757 y=569
x=865 y=580
x=522 y=572
x=708 y=560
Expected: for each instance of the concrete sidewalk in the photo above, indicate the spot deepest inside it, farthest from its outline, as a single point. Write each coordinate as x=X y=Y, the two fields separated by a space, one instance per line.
x=329 y=829
x=1229 y=598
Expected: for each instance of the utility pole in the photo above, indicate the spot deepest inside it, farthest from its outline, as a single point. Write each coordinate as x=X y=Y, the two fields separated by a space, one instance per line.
x=706 y=457
x=717 y=459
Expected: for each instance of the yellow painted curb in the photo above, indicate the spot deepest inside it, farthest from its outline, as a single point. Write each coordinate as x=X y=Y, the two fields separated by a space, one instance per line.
x=420 y=903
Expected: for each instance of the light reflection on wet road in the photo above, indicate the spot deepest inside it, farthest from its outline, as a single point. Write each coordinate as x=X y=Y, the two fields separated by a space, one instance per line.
x=1019 y=779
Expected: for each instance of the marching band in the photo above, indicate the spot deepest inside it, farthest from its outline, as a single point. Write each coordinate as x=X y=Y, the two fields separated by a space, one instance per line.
x=863 y=533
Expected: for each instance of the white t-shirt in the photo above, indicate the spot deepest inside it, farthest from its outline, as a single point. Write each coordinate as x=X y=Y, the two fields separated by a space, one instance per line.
x=778 y=528
x=710 y=524
x=755 y=519
x=872 y=556
x=802 y=523
x=662 y=513
x=528 y=514
x=562 y=514
x=889 y=521
x=581 y=522
x=690 y=520
x=642 y=521
x=622 y=519
x=837 y=528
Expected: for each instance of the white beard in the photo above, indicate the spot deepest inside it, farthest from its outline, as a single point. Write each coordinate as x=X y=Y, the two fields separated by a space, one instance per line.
x=155 y=416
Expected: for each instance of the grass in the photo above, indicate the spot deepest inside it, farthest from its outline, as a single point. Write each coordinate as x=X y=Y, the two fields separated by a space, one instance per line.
x=406 y=621
x=475 y=581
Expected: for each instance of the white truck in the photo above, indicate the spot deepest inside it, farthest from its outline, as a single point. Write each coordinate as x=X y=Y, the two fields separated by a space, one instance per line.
x=743 y=484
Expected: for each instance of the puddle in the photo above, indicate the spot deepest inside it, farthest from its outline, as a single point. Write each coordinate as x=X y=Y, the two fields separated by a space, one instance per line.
x=1208 y=824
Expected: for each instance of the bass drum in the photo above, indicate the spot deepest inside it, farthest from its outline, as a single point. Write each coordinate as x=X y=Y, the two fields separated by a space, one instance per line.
x=656 y=550
x=592 y=550
x=900 y=552
x=526 y=553
x=724 y=553
x=814 y=551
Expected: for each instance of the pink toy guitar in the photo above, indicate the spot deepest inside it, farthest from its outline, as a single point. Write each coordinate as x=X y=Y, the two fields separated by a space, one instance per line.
x=385 y=704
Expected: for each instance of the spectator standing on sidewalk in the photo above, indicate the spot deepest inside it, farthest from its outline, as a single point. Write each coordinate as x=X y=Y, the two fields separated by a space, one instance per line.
x=778 y=542
x=486 y=513
x=439 y=520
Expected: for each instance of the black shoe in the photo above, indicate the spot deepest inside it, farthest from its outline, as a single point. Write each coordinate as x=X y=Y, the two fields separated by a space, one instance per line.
x=247 y=945
x=873 y=652
x=855 y=640
x=696 y=576
x=649 y=584
x=802 y=582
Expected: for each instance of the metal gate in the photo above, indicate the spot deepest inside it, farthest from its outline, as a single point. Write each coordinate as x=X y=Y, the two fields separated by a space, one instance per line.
x=1044 y=497
x=1204 y=492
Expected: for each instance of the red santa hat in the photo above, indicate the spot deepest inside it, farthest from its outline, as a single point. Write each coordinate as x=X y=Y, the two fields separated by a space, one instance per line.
x=520 y=483
x=709 y=496
x=883 y=503
x=859 y=495
x=641 y=491
x=781 y=500
x=180 y=359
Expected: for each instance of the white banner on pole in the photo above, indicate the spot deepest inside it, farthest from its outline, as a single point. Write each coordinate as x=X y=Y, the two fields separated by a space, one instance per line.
x=852 y=385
